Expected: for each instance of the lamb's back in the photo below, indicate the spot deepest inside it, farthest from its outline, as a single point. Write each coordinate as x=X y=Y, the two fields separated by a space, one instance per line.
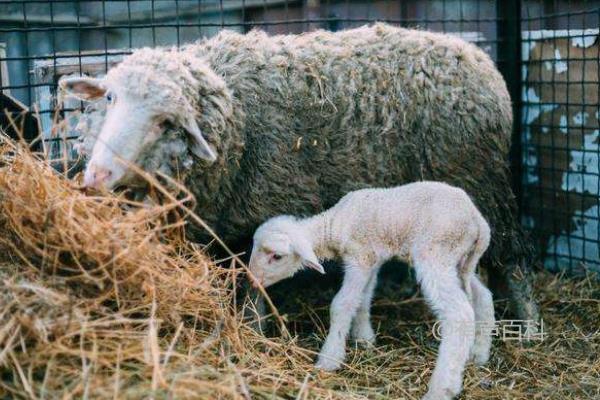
x=403 y=213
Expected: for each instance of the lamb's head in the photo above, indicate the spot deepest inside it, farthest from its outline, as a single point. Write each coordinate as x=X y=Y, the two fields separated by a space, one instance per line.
x=282 y=246
x=150 y=89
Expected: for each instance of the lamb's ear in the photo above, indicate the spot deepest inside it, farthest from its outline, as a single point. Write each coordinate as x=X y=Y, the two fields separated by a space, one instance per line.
x=200 y=146
x=82 y=87
x=308 y=256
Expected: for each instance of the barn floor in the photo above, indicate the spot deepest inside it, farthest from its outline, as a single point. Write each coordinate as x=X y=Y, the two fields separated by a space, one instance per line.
x=564 y=365
x=96 y=302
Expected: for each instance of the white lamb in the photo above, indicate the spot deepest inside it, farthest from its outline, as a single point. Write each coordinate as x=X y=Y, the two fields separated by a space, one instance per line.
x=433 y=226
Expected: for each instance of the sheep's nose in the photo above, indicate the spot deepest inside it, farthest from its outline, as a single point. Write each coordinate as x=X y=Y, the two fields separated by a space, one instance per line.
x=96 y=177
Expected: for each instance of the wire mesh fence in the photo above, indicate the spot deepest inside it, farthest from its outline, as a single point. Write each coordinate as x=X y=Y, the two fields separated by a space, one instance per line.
x=46 y=40
x=559 y=139
x=547 y=51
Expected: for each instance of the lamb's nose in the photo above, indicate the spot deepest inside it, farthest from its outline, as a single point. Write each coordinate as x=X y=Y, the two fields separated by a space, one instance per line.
x=255 y=280
x=96 y=177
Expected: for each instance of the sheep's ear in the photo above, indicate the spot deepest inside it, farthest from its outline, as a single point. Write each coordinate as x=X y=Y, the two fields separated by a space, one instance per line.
x=314 y=265
x=308 y=256
x=83 y=88
x=200 y=146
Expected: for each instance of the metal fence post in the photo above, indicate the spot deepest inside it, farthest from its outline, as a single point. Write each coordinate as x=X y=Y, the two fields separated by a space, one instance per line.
x=312 y=13
x=509 y=55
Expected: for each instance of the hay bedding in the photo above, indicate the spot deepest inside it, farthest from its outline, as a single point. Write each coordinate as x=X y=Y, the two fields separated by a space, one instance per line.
x=96 y=302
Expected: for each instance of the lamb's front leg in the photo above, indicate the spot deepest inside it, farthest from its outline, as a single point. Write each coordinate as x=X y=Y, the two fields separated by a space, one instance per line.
x=343 y=309
x=362 y=330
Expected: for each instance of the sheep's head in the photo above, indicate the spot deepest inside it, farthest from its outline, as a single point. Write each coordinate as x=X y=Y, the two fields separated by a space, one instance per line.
x=150 y=89
x=281 y=248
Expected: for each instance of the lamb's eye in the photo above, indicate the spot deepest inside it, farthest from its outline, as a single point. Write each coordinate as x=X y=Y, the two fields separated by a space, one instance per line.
x=110 y=97
x=277 y=257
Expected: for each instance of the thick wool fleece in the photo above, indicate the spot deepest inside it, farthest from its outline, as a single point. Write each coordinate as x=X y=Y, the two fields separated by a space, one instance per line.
x=327 y=113
x=298 y=121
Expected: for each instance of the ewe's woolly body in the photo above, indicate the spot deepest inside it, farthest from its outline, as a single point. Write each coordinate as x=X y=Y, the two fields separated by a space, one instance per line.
x=298 y=121
x=375 y=106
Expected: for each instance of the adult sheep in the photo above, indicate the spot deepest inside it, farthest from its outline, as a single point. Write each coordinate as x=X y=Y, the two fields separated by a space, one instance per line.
x=289 y=124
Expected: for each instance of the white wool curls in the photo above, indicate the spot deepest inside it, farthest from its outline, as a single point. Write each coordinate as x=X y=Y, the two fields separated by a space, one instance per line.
x=433 y=226
x=150 y=89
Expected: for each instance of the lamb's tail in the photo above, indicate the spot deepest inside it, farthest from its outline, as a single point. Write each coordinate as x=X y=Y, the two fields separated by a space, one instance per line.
x=483 y=240
x=480 y=245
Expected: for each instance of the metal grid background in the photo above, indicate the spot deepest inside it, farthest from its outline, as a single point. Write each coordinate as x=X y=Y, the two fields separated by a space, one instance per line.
x=559 y=136
x=555 y=164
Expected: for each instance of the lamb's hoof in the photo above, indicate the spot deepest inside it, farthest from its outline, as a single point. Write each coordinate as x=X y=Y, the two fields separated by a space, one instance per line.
x=364 y=337
x=480 y=355
x=481 y=359
x=442 y=394
x=446 y=390
x=365 y=343
x=328 y=363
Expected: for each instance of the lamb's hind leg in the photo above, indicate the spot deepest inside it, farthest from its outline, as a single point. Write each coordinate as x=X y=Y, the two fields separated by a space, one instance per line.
x=480 y=297
x=483 y=306
x=362 y=330
x=443 y=290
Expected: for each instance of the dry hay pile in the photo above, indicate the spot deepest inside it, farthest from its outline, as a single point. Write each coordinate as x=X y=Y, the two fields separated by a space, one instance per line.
x=101 y=297
x=99 y=302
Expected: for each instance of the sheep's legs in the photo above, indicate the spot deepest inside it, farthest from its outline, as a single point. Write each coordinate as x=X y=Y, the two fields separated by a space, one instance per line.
x=483 y=306
x=442 y=289
x=343 y=309
x=362 y=330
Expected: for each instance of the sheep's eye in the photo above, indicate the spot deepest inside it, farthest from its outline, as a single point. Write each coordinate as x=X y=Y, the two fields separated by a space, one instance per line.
x=110 y=97
x=274 y=257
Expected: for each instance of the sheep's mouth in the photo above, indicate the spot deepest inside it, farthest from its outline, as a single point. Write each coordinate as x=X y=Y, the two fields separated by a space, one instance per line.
x=132 y=189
